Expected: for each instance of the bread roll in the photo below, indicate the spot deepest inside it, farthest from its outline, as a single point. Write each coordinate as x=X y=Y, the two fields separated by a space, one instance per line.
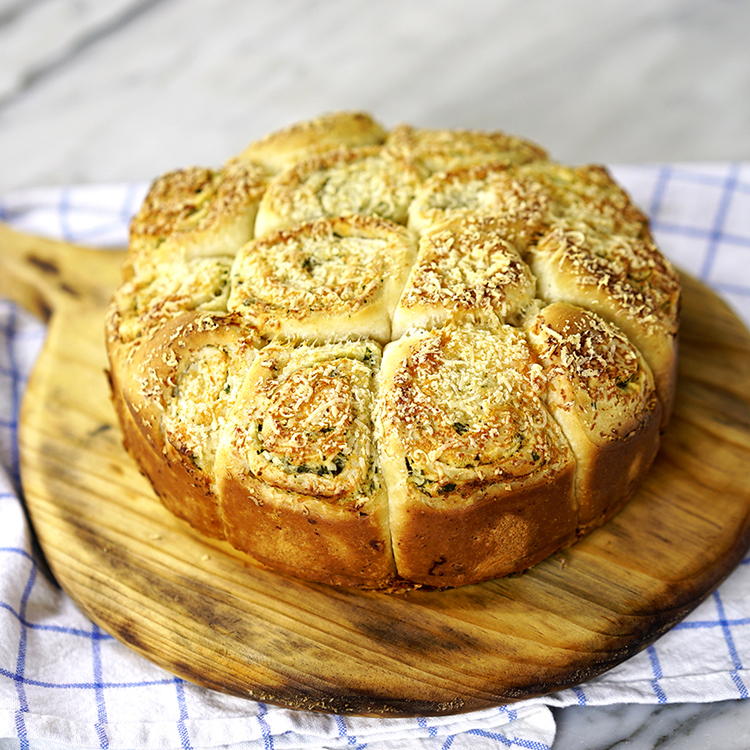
x=466 y=270
x=365 y=181
x=195 y=213
x=284 y=148
x=602 y=394
x=479 y=476
x=443 y=150
x=298 y=468
x=337 y=277
x=174 y=396
x=486 y=190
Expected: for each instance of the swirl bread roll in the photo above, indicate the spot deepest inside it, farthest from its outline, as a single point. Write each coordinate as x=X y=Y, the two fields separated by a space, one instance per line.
x=152 y=298
x=601 y=392
x=285 y=148
x=182 y=244
x=586 y=195
x=333 y=277
x=298 y=468
x=624 y=280
x=442 y=150
x=479 y=476
x=393 y=359
x=173 y=397
x=466 y=270
x=195 y=213
x=366 y=181
x=494 y=190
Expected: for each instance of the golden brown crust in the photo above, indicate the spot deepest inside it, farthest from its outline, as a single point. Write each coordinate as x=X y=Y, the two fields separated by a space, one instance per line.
x=530 y=330
x=441 y=150
x=183 y=490
x=284 y=148
x=498 y=534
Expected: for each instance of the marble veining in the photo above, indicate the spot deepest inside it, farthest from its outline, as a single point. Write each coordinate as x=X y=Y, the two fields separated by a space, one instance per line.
x=687 y=726
x=129 y=88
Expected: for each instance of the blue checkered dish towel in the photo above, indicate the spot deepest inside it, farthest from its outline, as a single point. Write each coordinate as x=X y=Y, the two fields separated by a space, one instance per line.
x=63 y=680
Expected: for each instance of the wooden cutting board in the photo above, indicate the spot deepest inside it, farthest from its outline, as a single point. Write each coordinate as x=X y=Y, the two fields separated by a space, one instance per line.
x=204 y=612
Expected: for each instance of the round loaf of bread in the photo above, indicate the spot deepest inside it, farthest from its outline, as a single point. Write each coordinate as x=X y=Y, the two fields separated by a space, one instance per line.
x=391 y=359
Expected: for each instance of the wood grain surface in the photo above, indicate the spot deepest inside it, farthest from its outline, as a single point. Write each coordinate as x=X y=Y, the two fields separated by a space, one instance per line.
x=204 y=612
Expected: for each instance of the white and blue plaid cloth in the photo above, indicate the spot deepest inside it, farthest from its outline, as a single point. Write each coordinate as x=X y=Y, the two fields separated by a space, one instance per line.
x=65 y=681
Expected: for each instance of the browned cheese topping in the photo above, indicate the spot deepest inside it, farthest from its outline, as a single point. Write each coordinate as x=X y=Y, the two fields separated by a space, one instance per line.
x=309 y=417
x=319 y=271
x=605 y=380
x=147 y=301
x=197 y=409
x=469 y=266
x=307 y=412
x=586 y=196
x=467 y=404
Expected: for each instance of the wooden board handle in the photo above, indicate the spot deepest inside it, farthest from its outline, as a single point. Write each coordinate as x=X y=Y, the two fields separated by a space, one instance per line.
x=41 y=273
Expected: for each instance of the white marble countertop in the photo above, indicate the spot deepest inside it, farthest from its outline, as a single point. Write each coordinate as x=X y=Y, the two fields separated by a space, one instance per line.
x=124 y=90
x=130 y=88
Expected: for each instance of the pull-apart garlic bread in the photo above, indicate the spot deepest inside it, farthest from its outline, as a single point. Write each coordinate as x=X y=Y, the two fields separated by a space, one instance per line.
x=388 y=359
